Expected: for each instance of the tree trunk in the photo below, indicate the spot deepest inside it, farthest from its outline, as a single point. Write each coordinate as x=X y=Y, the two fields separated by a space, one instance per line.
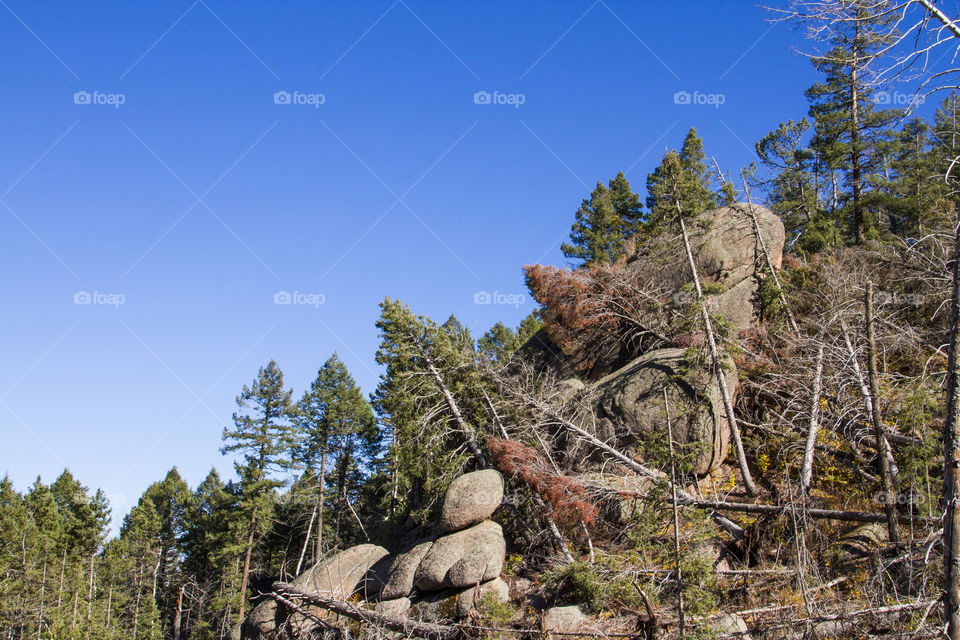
x=806 y=473
x=676 y=515
x=465 y=429
x=867 y=399
x=879 y=432
x=951 y=461
x=43 y=583
x=109 y=606
x=306 y=541
x=90 y=589
x=136 y=602
x=318 y=542
x=246 y=567
x=63 y=569
x=177 y=614
x=76 y=597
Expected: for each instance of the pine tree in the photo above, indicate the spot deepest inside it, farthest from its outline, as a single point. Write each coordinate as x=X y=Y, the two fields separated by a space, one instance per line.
x=626 y=205
x=849 y=131
x=426 y=398
x=793 y=190
x=261 y=433
x=334 y=419
x=681 y=178
x=529 y=326
x=498 y=343
x=604 y=222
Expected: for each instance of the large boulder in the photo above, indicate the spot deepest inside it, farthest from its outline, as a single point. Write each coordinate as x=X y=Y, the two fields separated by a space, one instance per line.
x=398 y=574
x=339 y=577
x=463 y=559
x=727 y=251
x=629 y=405
x=471 y=499
x=732 y=624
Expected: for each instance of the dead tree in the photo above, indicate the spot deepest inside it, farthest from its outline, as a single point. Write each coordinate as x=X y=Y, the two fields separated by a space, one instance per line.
x=806 y=472
x=890 y=504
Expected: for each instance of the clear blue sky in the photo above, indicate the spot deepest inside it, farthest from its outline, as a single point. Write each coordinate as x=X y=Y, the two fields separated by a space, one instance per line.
x=199 y=198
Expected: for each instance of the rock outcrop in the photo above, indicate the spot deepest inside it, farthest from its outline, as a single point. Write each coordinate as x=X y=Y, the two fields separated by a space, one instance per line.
x=441 y=576
x=471 y=499
x=727 y=253
x=626 y=390
x=462 y=559
x=338 y=577
x=629 y=405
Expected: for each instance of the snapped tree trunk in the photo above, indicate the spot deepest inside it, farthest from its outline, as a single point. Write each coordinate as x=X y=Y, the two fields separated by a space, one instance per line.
x=879 y=432
x=177 y=614
x=806 y=472
x=718 y=366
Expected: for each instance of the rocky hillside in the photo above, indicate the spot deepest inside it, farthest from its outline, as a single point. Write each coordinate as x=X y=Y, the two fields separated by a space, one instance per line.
x=664 y=458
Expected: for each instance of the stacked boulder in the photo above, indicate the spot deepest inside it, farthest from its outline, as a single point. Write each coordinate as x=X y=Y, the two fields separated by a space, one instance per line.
x=448 y=572
x=466 y=557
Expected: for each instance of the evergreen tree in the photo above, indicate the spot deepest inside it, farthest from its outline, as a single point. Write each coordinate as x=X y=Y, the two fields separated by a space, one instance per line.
x=916 y=189
x=626 y=205
x=604 y=222
x=849 y=132
x=498 y=343
x=428 y=367
x=528 y=327
x=334 y=419
x=681 y=180
x=261 y=433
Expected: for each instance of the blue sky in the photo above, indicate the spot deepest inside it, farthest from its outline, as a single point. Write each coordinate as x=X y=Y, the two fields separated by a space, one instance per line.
x=181 y=213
